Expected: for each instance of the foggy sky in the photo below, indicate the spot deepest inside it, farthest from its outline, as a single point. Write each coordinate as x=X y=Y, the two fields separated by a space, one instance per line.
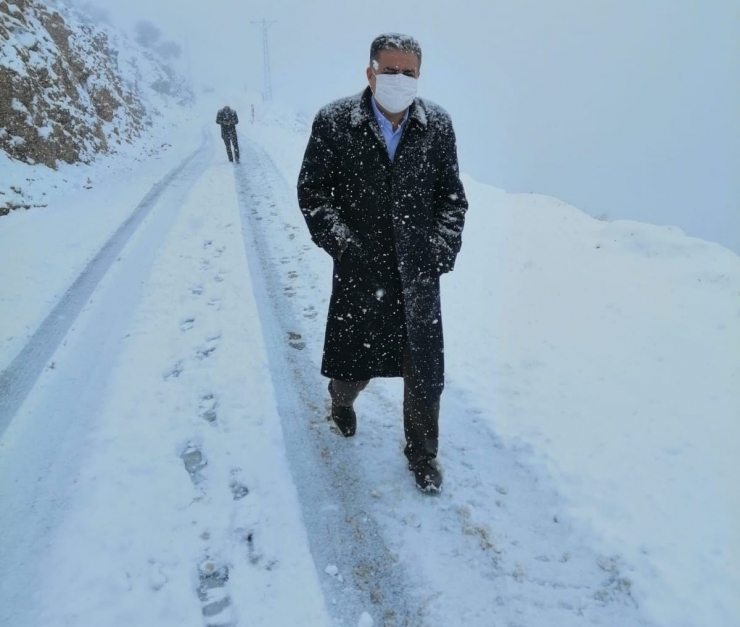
x=629 y=108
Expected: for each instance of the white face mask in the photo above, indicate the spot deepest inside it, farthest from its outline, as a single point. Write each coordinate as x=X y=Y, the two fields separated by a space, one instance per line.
x=395 y=92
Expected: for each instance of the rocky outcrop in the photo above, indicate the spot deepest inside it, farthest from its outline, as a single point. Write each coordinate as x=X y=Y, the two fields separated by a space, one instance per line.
x=70 y=89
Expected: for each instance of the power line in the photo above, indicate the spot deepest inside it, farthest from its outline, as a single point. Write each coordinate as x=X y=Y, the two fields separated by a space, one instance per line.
x=267 y=74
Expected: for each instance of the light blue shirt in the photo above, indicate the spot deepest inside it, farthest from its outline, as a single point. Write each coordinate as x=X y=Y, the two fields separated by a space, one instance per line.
x=391 y=137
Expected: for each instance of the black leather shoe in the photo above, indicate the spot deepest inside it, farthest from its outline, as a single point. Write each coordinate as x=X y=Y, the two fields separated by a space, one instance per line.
x=345 y=419
x=428 y=478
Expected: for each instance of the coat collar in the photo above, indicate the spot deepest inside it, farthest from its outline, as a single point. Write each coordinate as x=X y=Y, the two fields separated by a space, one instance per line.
x=362 y=110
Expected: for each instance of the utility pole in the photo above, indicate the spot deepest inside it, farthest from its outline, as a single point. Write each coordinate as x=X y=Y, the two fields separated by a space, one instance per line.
x=267 y=74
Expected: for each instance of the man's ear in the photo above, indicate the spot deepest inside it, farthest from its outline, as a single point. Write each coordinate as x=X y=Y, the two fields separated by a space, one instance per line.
x=371 y=78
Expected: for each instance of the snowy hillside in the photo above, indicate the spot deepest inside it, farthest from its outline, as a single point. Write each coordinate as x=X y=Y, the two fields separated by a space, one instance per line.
x=165 y=457
x=71 y=89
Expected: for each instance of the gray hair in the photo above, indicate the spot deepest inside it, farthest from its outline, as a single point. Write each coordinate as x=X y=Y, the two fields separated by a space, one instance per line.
x=394 y=41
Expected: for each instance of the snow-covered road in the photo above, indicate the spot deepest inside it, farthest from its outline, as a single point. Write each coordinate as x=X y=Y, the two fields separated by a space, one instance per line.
x=166 y=457
x=18 y=378
x=143 y=480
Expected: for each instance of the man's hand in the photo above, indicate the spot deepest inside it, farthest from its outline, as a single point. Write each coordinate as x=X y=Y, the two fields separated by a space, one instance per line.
x=342 y=247
x=343 y=237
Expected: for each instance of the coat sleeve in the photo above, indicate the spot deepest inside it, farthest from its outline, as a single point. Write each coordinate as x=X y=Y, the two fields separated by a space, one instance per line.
x=219 y=119
x=450 y=204
x=236 y=119
x=316 y=183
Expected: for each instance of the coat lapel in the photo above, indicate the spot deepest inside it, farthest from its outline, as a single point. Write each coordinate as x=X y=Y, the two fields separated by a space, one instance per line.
x=363 y=115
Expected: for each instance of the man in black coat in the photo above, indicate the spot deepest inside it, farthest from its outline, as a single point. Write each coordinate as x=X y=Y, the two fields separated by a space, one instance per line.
x=380 y=191
x=228 y=120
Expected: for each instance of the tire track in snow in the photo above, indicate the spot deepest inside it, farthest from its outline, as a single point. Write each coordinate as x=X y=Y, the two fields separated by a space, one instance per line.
x=18 y=379
x=364 y=574
x=40 y=451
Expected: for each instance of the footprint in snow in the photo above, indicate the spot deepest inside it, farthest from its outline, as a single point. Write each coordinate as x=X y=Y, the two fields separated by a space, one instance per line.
x=237 y=487
x=174 y=372
x=187 y=324
x=294 y=340
x=246 y=537
x=194 y=462
x=207 y=408
x=216 y=606
x=197 y=290
x=207 y=349
x=157 y=578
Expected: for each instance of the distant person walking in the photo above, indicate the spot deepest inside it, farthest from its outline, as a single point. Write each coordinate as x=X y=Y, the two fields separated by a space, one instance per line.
x=381 y=193
x=228 y=120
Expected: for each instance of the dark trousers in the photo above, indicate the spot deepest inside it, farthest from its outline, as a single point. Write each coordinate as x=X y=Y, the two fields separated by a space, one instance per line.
x=229 y=139
x=420 y=418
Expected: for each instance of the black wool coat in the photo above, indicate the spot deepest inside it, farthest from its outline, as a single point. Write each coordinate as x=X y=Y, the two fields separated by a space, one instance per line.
x=403 y=221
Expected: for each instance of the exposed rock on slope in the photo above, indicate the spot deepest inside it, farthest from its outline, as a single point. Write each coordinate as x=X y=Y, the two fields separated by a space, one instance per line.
x=70 y=89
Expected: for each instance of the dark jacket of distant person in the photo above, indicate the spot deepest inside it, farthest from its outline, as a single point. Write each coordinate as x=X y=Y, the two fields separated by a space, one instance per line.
x=228 y=119
x=405 y=219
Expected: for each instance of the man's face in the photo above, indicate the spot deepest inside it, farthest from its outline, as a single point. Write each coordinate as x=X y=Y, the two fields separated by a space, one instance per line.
x=393 y=62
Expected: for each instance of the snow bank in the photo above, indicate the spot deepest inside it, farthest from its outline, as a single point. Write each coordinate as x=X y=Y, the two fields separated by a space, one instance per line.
x=612 y=349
